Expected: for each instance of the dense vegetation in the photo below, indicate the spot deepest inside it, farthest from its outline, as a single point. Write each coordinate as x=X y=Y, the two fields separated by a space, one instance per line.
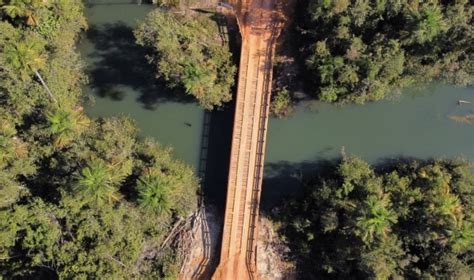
x=358 y=51
x=412 y=221
x=189 y=53
x=79 y=198
x=281 y=106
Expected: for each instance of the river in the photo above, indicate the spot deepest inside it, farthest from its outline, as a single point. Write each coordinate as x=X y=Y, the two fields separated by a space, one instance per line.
x=416 y=125
x=121 y=81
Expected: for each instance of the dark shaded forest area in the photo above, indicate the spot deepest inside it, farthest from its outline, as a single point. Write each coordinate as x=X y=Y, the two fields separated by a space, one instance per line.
x=79 y=197
x=406 y=220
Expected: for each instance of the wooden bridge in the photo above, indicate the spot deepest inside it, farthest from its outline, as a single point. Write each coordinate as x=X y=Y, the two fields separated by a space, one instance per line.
x=259 y=27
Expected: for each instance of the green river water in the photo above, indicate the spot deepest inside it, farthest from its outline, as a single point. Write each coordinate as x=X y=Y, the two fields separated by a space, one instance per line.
x=416 y=125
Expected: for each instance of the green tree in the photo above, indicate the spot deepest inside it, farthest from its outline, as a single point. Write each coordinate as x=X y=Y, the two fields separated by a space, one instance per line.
x=27 y=57
x=94 y=183
x=187 y=54
x=15 y=8
x=428 y=22
x=376 y=219
x=462 y=237
x=153 y=193
x=24 y=8
x=9 y=189
x=65 y=125
x=281 y=103
x=450 y=206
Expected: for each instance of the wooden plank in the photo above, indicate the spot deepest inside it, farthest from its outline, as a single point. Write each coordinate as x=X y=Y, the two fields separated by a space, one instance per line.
x=238 y=251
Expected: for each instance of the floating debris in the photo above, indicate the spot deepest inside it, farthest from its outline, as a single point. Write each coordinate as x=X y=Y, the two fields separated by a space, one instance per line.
x=469 y=118
x=461 y=102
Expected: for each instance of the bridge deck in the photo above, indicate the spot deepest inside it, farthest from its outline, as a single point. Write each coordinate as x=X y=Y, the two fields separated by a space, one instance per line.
x=238 y=251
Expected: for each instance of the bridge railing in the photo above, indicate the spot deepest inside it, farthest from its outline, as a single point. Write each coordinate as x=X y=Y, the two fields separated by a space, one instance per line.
x=251 y=257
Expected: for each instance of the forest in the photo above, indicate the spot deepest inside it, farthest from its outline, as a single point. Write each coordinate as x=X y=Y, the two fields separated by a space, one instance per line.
x=346 y=51
x=405 y=220
x=80 y=198
x=190 y=53
x=89 y=198
x=362 y=51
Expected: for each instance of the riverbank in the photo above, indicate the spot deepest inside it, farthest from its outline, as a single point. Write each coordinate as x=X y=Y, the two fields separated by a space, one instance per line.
x=121 y=82
x=415 y=125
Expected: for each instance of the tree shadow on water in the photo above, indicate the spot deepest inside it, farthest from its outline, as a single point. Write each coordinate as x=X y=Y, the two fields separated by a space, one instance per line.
x=284 y=179
x=118 y=63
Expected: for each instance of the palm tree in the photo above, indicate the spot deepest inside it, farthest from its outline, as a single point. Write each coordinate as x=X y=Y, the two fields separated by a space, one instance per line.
x=94 y=183
x=462 y=237
x=65 y=124
x=153 y=193
x=23 y=8
x=15 y=8
x=449 y=205
x=376 y=219
x=26 y=57
x=429 y=22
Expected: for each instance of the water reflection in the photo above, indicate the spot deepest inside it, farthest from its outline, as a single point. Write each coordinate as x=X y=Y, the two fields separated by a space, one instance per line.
x=118 y=60
x=123 y=83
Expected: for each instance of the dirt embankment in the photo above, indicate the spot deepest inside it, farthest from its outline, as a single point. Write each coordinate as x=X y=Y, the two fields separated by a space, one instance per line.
x=271 y=263
x=202 y=256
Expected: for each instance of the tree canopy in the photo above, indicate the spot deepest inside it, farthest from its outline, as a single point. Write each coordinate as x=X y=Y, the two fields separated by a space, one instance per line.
x=411 y=221
x=189 y=53
x=358 y=51
x=71 y=187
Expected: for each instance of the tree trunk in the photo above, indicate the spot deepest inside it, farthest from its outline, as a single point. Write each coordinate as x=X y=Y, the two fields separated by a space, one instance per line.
x=51 y=96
